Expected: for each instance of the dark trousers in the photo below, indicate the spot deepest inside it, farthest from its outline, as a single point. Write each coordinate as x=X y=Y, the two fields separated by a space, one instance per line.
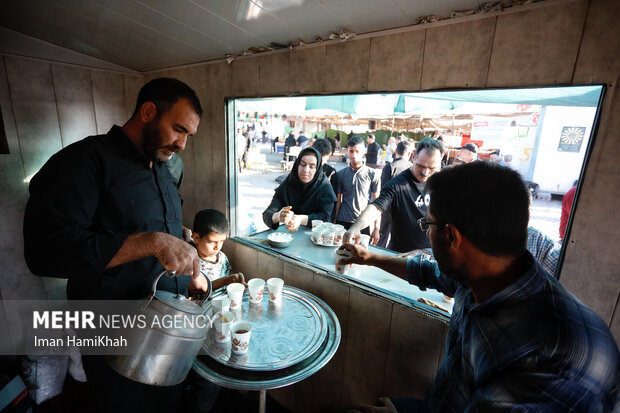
x=116 y=393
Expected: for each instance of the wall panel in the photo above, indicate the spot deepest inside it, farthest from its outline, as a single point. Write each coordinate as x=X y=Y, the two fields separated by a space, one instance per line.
x=368 y=332
x=599 y=60
x=307 y=70
x=74 y=100
x=457 y=55
x=109 y=98
x=273 y=74
x=17 y=281
x=346 y=66
x=34 y=108
x=537 y=47
x=396 y=61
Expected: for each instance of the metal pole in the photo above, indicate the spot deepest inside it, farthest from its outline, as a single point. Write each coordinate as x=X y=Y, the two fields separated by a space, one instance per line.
x=262 y=401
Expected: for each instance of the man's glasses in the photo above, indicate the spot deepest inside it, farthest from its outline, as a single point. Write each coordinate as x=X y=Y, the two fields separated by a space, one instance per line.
x=425 y=225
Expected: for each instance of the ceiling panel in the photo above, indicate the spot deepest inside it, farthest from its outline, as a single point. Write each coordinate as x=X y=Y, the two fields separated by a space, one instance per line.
x=148 y=35
x=442 y=8
x=363 y=16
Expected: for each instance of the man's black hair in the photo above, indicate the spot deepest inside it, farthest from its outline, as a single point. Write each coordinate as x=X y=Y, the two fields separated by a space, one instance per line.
x=488 y=203
x=207 y=221
x=165 y=92
x=402 y=147
x=323 y=146
x=354 y=141
x=430 y=145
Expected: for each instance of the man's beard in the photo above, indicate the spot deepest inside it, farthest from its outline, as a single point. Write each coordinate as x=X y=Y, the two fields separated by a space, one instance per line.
x=445 y=261
x=152 y=143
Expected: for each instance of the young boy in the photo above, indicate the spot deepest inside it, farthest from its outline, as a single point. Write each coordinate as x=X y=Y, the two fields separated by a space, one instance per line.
x=209 y=232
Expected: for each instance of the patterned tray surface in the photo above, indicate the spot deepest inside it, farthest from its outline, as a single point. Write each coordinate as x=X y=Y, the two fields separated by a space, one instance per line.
x=282 y=335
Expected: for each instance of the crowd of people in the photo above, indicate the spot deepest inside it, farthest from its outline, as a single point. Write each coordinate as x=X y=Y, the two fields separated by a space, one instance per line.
x=105 y=212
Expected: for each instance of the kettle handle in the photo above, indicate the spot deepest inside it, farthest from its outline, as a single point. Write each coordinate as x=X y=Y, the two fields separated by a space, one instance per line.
x=205 y=296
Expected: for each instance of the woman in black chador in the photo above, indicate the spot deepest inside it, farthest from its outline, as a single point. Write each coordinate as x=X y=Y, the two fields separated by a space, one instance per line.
x=305 y=194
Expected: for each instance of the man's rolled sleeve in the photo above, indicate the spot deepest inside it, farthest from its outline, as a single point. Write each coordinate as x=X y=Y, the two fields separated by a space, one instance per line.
x=423 y=272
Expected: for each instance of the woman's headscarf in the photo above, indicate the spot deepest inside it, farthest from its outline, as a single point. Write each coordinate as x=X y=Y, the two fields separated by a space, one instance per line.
x=303 y=196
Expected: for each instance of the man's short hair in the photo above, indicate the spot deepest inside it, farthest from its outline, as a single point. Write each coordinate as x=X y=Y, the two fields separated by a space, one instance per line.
x=323 y=146
x=207 y=221
x=371 y=136
x=165 y=92
x=430 y=145
x=403 y=146
x=488 y=203
x=354 y=141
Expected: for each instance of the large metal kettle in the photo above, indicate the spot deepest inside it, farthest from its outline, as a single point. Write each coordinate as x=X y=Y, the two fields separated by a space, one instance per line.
x=165 y=355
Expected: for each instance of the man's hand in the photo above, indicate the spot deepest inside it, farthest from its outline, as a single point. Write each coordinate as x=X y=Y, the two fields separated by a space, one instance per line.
x=359 y=255
x=176 y=255
x=352 y=235
x=197 y=285
x=388 y=407
x=374 y=237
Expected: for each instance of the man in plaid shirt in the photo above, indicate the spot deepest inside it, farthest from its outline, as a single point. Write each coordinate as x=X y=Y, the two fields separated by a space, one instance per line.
x=518 y=341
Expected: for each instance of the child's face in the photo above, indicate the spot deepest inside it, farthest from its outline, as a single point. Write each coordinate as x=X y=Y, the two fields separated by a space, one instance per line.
x=208 y=245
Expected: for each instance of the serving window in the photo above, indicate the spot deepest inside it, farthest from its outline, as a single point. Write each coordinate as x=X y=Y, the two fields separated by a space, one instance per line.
x=543 y=133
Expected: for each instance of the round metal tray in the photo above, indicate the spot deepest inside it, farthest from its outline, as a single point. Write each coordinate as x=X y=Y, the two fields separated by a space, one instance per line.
x=234 y=378
x=282 y=335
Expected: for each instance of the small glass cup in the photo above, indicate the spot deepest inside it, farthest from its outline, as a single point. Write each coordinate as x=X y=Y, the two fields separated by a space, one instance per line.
x=316 y=223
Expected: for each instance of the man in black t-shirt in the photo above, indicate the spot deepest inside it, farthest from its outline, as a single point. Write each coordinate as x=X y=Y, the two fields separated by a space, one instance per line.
x=401 y=162
x=405 y=198
x=372 y=152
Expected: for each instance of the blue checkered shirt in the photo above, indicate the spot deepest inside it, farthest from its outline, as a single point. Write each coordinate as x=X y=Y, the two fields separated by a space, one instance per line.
x=531 y=347
x=544 y=249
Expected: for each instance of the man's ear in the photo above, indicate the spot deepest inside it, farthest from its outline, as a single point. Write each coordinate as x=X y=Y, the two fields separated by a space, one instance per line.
x=148 y=112
x=453 y=236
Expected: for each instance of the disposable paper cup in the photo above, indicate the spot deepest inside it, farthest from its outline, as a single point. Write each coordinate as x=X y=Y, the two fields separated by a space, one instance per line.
x=317 y=235
x=339 y=236
x=275 y=286
x=316 y=223
x=328 y=237
x=220 y=304
x=364 y=240
x=222 y=325
x=240 y=332
x=235 y=293
x=340 y=268
x=256 y=287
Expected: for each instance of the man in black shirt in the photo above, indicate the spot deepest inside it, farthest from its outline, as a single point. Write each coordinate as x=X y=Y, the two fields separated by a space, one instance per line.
x=401 y=162
x=404 y=196
x=326 y=149
x=372 y=152
x=105 y=212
